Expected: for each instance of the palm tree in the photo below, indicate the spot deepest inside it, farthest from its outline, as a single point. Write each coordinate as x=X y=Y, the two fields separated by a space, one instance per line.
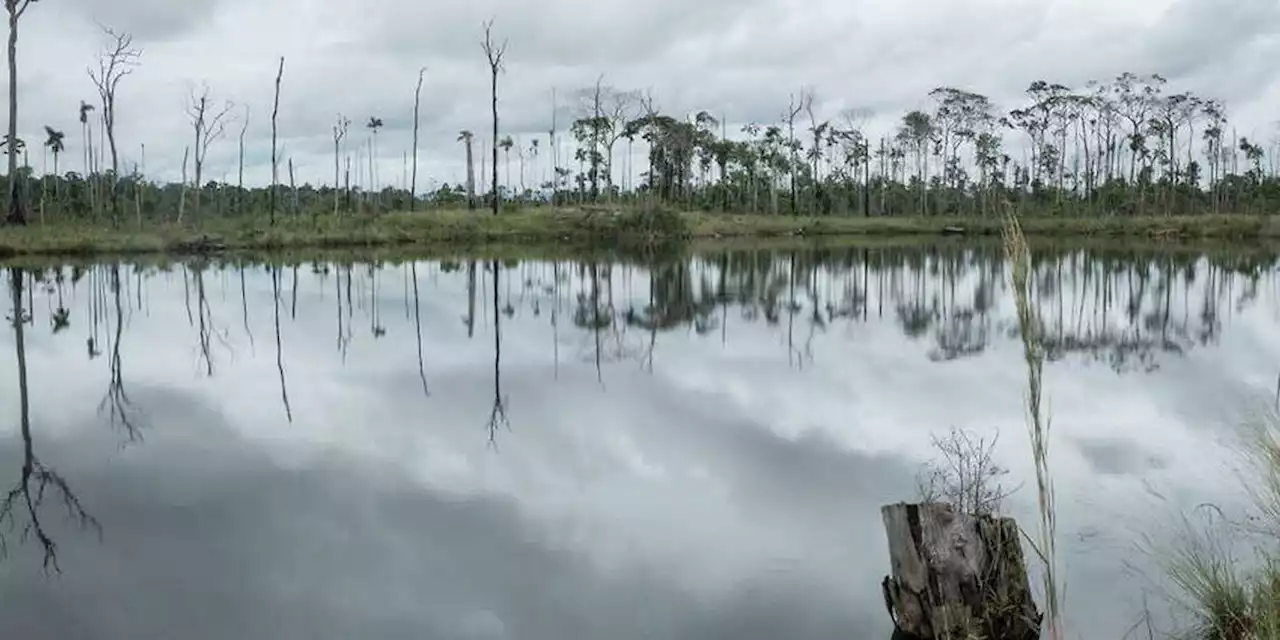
x=466 y=137
x=505 y=144
x=56 y=146
x=86 y=131
x=374 y=124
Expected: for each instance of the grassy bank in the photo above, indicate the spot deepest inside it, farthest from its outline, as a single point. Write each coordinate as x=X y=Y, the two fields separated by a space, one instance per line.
x=567 y=227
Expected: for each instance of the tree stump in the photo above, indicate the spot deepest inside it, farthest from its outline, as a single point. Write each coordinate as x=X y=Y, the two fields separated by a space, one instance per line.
x=956 y=575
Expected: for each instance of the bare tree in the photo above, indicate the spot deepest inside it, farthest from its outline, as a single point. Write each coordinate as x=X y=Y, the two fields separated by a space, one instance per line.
x=244 y=127
x=275 y=162
x=208 y=126
x=413 y=181
x=17 y=215
x=494 y=52
x=182 y=198
x=116 y=61
x=339 y=132
x=797 y=105
x=967 y=475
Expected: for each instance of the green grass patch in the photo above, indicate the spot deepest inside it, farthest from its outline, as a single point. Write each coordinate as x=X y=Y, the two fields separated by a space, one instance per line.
x=631 y=228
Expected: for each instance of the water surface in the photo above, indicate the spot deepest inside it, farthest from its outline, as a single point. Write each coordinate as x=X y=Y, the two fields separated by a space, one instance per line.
x=548 y=450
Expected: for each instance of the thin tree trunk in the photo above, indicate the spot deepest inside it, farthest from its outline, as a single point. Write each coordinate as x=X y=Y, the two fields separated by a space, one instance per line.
x=182 y=199
x=275 y=170
x=16 y=215
x=413 y=180
x=293 y=188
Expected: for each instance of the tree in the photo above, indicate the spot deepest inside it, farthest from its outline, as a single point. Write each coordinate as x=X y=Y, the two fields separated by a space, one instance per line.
x=208 y=126
x=797 y=105
x=494 y=53
x=86 y=132
x=15 y=8
x=244 y=128
x=339 y=132
x=275 y=160
x=413 y=181
x=374 y=124
x=505 y=144
x=54 y=142
x=116 y=61
x=465 y=137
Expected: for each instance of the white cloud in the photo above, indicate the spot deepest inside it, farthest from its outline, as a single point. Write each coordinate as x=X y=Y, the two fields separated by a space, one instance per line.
x=739 y=60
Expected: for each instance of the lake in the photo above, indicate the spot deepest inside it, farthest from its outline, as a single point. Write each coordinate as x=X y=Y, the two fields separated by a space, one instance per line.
x=691 y=448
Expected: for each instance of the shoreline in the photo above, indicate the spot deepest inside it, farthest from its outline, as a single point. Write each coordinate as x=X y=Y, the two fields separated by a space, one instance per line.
x=450 y=231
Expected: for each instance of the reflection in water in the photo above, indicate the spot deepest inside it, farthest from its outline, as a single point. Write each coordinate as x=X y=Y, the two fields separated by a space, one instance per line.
x=275 y=303
x=37 y=480
x=417 y=324
x=635 y=327
x=116 y=401
x=498 y=414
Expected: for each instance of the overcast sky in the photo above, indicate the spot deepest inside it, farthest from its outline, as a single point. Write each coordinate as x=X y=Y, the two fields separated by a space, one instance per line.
x=739 y=59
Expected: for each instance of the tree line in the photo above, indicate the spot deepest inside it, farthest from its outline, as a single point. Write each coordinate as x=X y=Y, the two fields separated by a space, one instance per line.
x=1123 y=146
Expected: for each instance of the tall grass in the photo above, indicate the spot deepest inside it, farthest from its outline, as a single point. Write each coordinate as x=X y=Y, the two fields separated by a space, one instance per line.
x=1045 y=541
x=1229 y=597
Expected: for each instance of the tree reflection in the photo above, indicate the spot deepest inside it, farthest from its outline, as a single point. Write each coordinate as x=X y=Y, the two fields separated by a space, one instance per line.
x=417 y=326
x=498 y=414
x=37 y=481
x=275 y=301
x=116 y=401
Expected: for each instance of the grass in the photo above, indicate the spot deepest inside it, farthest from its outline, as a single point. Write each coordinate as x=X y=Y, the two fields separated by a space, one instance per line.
x=572 y=227
x=1045 y=542
x=1229 y=599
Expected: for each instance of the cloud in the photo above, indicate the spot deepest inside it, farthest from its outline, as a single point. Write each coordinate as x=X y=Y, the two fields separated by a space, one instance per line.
x=739 y=60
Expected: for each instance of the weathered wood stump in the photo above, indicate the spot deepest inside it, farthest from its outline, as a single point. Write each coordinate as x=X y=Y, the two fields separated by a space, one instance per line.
x=956 y=575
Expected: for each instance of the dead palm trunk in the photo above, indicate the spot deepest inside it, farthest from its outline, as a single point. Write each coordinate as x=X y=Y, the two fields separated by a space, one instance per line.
x=494 y=53
x=275 y=173
x=16 y=8
x=413 y=180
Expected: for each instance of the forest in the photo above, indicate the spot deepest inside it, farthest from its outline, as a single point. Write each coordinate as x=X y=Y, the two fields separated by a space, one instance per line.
x=1124 y=146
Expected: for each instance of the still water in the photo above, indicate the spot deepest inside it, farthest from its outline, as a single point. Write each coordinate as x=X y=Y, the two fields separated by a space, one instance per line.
x=553 y=450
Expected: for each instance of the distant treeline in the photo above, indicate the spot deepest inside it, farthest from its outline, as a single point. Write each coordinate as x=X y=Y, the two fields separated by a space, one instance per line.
x=1119 y=147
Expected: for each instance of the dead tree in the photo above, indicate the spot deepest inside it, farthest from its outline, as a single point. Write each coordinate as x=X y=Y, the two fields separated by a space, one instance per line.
x=339 y=132
x=793 y=110
x=956 y=575
x=182 y=198
x=275 y=164
x=413 y=181
x=208 y=126
x=115 y=62
x=244 y=127
x=494 y=52
x=15 y=8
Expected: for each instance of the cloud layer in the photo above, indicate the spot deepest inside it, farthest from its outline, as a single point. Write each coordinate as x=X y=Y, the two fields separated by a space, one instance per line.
x=739 y=60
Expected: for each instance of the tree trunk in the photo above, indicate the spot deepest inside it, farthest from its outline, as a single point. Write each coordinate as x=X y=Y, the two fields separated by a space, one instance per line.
x=494 y=96
x=413 y=180
x=275 y=163
x=955 y=575
x=16 y=214
x=182 y=199
x=471 y=177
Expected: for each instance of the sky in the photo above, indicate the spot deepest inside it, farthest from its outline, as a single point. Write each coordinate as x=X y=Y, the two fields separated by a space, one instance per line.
x=740 y=60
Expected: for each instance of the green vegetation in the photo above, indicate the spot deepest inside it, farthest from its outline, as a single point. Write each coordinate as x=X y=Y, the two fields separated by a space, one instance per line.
x=1229 y=596
x=607 y=228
